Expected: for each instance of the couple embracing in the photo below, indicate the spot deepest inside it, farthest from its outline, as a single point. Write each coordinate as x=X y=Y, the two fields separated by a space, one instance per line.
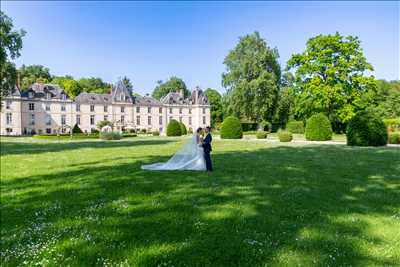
x=194 y=155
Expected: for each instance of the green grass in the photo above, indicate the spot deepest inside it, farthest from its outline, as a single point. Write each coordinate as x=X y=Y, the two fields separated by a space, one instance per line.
x=87 y=203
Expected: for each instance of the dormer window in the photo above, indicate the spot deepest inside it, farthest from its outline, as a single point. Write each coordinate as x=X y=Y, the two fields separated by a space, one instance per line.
x=48 y=95
x=63 y=96
x=30 y=94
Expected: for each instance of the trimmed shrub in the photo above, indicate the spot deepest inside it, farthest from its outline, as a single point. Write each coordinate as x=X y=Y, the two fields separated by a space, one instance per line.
x=318 y=128
x=366 y=129
x=110 y=136
x=174 y=128
x=183 y=128
x=231 y=128
x=155 y=133
x=392 y=124
x=285 y=136
x=143 y=131
x=101 y=124
x=296 y=127
x=394 y=138
x=129 y=135
x=76 y=129
x=261 y=135
x=190 y=131
x=65 y=136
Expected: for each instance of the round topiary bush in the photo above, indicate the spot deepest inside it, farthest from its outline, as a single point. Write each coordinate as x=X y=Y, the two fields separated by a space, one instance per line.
x=318 y=128
x=394 y=138
x=174 y=128
x=155 y=133
x=285 y=136
x=183 y=128
x=261 y=135
x=110 y=135
x=366 y=129
x=231 y=128
x=296 y=127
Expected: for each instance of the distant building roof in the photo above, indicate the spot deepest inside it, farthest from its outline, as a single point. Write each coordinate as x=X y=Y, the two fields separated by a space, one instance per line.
x=41 y=90
x=93 y=98
x=147 y=101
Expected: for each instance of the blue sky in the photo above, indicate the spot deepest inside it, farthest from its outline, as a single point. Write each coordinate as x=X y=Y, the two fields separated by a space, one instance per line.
x=150 y=41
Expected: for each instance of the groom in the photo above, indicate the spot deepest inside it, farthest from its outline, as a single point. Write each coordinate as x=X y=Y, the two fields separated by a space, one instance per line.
x=207 y=149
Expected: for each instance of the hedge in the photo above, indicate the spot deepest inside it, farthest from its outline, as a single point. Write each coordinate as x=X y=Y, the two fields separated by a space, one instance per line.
x=65 y=136
x=155 y=133
x=296 y=127
x=318 y=128
x=394 y=138
x=183 y=128
x=174 y=128
x=231 y=128
x=261 y=135
x=285 y=136
x=366 y=129
x=110 y=136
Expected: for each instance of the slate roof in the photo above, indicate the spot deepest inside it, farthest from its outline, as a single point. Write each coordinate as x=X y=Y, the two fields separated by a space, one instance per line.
x=40 y=90
x=93 y=98
x=174 y=98
x=147 y=101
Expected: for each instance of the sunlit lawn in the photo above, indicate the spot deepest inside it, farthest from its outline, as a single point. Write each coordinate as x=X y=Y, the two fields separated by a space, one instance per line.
x=86 y=203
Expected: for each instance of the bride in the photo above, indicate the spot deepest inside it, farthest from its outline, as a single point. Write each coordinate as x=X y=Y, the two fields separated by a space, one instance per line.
x=189 y=157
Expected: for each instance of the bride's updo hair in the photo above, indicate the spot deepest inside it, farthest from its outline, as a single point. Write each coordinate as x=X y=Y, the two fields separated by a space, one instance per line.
x=199 y=130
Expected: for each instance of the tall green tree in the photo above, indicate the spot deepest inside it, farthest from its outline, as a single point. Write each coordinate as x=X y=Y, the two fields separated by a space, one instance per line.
x=33 y=73
x=331 y=74
x=94 y=85
x=284 y=110
x=174 y=84
x=385 y=101
x=10 y=48
x=215 y=100
x=252 y=78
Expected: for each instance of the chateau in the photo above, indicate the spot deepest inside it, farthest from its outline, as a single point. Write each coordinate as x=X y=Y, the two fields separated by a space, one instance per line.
x=46 y=109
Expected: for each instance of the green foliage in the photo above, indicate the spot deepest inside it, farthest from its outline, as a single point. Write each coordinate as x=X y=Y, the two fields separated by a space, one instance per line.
x=101 y=124
x=110 y=136
x=261 y=135
x=94 y=85
x=331 y=77
x=296 y=127
x=366 y=129
x=285 y=136
x=215 y=100
x=33 y=73
x=76 y=129
x=174 y=84
x=393 y=124
x=252 y=79
x=66 y=136
x=266 y=126
x=231 y=128
x=155 y=133
x=129 y=135
x=384 y=101
x=183 y=128
x=285 y=103
x=318 y=128
x=174 y=128
x=394 y=138
x=10 y=47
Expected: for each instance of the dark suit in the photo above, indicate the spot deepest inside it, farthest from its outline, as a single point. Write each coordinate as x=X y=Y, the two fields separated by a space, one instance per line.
x=207 y=150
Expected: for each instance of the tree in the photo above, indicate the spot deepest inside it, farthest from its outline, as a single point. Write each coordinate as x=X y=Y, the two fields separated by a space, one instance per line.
x=252 y=79
x=215 y=100
x=127 y=82
x=10 y=47
x=284 y=110
x=384 y=102
x=331 y=77
x=33 y=73
x=101 y=124
x=174 y=84
x=94 y=85
x=72 y=88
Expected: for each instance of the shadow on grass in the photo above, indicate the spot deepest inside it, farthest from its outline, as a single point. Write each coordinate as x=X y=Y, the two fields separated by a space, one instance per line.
x=276 y=206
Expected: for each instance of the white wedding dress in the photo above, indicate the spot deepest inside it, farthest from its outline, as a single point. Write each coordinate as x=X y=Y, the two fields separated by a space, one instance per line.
x=189 y=157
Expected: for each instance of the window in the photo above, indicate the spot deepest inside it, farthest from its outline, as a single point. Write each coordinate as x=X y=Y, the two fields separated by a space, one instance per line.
x=170 y=110
x=8 y=104
x=204 y=120
x=63 y=120
x=106 y=109
x=149 y=120
x=137 y=120
x=48 y=119
x=180 y=110
x=32 y=122
x=122 y=109
x=204 y=110
x=31 y=106
x=62 y=107
x=48 y=95
x=78 y=119
x=190 y=120
x=91 y=108
x=122 y=119
x=160 y=110
x=30 y=95
x=9 y=130
x=190 y=111
x=160 y=120
x=8 y=118
x=47 y=107
x=78 y=107
x=48 y=130
x=63 y=96
x=148 y=109
x=105 y=117
x=91 y=119
x=180 y=119
x=137 y=109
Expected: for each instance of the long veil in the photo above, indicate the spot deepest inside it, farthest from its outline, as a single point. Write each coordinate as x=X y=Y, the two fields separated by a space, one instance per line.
x=187 y=157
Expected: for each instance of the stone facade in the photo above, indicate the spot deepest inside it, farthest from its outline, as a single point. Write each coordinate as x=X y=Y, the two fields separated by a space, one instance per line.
x=45 y=108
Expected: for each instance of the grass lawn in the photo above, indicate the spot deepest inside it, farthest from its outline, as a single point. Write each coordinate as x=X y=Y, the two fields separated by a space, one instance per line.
x=87 y=203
